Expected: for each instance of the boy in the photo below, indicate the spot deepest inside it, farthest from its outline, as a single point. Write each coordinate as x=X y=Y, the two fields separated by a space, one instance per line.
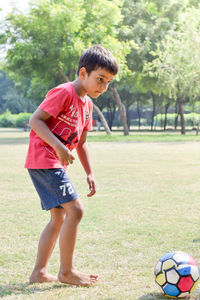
x=59 y=125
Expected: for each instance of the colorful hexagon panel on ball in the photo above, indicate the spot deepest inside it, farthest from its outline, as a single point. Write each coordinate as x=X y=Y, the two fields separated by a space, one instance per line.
x=177 y=274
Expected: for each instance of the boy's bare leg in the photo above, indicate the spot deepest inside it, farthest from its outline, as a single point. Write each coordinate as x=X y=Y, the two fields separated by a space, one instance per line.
x=46 y=245
x=68 y=274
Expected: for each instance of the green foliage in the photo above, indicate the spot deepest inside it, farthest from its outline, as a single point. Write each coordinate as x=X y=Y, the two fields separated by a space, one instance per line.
x=45 y=44
x=11 y=98
x=177 y=72
x=22 y=119
x=7 y=119
x=151 y=39
x=149 y=21
x=42 y=41
x=191 y=119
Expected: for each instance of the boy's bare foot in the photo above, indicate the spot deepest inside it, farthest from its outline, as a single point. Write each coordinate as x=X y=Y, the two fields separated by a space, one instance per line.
x=39 y=277
x=77 y=278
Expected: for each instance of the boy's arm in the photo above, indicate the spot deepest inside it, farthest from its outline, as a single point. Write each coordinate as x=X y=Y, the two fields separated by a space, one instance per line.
x=37 y=123
x=84 y=156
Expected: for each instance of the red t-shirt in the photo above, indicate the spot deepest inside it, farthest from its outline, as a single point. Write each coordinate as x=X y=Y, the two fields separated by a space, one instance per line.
x=70 y=116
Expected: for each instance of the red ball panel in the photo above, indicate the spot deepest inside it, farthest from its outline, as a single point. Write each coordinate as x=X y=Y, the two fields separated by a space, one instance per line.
x=192 y=261
x=185 y=284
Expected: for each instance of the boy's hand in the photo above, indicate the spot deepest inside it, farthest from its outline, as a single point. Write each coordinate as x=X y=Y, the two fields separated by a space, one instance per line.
x=64 y=155
x=92 y=185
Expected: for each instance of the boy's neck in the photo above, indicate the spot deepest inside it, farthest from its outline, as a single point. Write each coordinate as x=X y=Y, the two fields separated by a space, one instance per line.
x=79 y=90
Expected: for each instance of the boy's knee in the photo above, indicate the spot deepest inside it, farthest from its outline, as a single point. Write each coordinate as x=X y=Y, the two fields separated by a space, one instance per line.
x=60 y=220
x=77 y=210
x=57 y=218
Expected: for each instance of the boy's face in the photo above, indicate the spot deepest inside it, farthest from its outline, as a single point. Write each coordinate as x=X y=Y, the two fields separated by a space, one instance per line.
x=96 y=83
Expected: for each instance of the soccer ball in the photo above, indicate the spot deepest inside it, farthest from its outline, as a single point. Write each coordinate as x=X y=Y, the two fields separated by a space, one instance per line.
x=177 y=273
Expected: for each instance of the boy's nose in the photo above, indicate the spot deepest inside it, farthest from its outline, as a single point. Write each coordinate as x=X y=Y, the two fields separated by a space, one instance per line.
x=105 y=87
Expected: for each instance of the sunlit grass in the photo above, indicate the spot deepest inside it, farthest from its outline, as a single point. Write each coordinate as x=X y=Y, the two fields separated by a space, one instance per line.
x=143 y=136
x=147 y=204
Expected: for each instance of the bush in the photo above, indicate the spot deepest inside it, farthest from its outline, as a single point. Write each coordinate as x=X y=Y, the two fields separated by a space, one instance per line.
x=22 y=119
x=191 y=119
x=7 y=119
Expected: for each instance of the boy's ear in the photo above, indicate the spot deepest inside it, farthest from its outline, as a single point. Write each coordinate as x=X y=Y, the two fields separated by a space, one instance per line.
x=82 y=73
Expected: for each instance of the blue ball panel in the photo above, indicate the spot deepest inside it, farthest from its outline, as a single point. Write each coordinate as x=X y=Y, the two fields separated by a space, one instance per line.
x=171 y=290
x=184 y=271
x=167 y=256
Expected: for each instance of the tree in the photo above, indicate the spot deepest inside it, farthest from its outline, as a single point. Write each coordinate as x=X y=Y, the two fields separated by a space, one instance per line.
x=106 y=16
x=45 y=44
x=147 y=23
x=106 y=104
x=12 y=99
x=122 y=109
x=5 y=85
x=177 y=71
x=41 y=42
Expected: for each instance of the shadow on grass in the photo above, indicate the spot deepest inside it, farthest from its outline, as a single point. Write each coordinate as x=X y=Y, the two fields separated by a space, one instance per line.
x=13 y=141
x=153 y=296
x=26 y=289
x=159 y=296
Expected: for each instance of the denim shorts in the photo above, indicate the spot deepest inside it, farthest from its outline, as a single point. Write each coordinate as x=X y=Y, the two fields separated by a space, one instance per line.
x=53 y=186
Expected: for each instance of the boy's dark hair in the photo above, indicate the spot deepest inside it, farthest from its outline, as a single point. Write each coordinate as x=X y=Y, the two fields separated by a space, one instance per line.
x=97 y=57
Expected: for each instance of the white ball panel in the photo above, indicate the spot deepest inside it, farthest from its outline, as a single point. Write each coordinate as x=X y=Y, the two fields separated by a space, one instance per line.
x=195 y=273
x=158 y=268
x=172 y=276
x=180 y=256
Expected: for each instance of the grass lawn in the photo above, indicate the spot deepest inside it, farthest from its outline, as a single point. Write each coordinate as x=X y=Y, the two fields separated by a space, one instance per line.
x=143 y=136
x=147 y=204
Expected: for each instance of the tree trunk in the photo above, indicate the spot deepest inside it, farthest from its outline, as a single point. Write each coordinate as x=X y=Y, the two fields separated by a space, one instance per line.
x=139 y=115
x=122 y=110
x=111 y=113
x=197 y=129
x=177 y=115
x=154 y=110
x=128 y=115
x=180 y=105
x=165 y=121
x=97 y=110
x=161 y=121
x=101 y=117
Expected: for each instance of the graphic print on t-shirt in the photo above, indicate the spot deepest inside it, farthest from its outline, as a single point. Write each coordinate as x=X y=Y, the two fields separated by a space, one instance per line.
x=65 y=128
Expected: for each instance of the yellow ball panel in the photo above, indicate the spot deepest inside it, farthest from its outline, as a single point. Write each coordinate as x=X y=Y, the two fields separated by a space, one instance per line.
x=194 y=286
x=168 y=264
x=160 y=279
x=168 y=296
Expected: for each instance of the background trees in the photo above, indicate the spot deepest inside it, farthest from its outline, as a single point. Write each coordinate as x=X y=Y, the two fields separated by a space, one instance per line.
x=176 y=66
x=155 y=42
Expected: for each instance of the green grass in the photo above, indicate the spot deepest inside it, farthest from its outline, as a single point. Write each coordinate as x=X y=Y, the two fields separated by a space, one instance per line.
x=147 y=204
x=144 y=136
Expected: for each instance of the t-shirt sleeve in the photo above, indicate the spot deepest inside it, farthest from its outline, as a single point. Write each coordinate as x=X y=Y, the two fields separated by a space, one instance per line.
x=88 y=126
x=55 y=101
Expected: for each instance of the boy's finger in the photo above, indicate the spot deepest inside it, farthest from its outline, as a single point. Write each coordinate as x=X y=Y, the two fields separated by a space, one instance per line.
x=71 y=158
x=92 y=190
x=91 y=194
